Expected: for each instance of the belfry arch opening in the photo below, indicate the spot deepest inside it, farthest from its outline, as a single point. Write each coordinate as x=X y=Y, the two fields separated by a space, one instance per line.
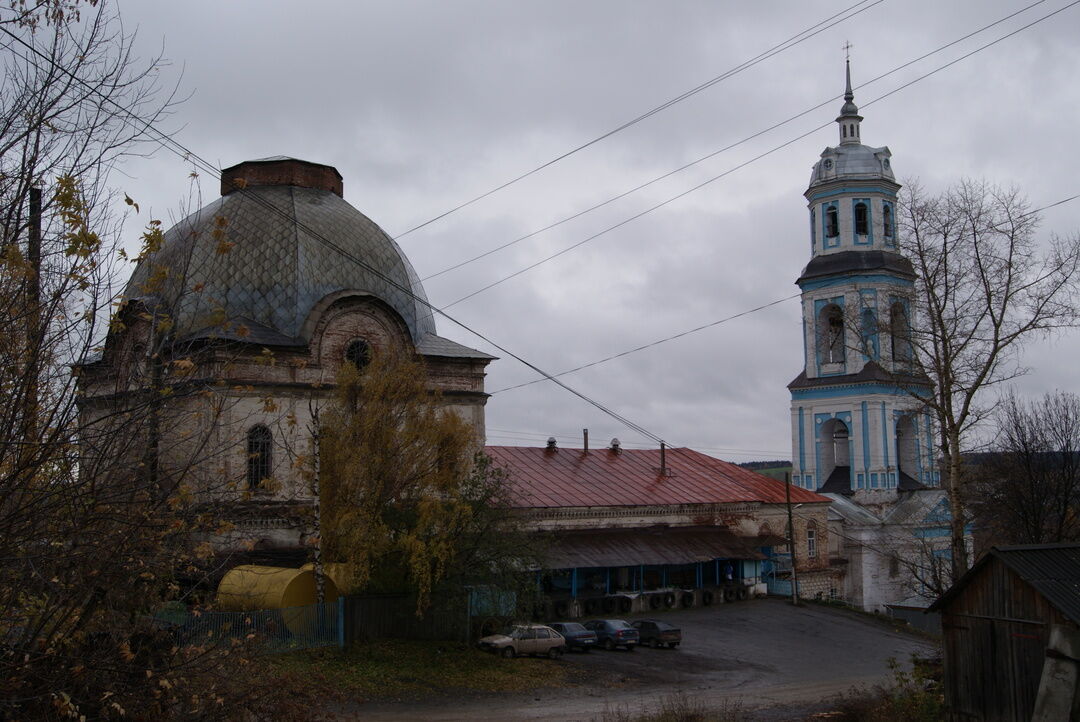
x=907 y=446
x=831 y=335
x=899 y=333
x=835 y=445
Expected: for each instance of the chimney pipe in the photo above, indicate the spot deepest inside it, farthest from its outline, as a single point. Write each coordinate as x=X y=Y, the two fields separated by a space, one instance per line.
x=552 y=445
x=663 y=459
x=615 y=445
x=585 y=432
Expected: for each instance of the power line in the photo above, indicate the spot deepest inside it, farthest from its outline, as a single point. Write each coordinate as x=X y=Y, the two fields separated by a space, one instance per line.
x=187 y=154
x=775 y=50
x=726 y=148
x=653 y=343
x=758 y=157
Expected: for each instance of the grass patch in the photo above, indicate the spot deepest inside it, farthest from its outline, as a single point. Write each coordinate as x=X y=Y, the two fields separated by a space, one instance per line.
x=393 y=669
x=914 y=696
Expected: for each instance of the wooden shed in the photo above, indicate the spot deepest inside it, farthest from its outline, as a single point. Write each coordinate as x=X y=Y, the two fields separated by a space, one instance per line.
x=996 y=626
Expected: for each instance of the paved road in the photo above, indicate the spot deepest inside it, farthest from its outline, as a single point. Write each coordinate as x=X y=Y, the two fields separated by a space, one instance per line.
x=761 y=652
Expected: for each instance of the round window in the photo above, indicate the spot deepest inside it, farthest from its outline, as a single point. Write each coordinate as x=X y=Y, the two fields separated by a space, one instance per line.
x=828 y=164
x=358 y=353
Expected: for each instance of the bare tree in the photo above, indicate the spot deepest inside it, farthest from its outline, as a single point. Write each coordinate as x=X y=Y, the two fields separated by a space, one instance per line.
x=96 y=533
x=1027 y=489
x=985 y=284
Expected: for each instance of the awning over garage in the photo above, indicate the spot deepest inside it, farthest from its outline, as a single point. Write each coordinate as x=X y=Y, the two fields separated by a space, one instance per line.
x=632 y=547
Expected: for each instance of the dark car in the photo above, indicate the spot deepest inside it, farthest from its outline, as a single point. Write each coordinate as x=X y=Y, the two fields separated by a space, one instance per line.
x=577 y=637
x=612 y=633
x=655 y=633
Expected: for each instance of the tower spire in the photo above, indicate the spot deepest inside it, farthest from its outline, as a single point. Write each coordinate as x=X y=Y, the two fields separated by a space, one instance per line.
x=849 y=117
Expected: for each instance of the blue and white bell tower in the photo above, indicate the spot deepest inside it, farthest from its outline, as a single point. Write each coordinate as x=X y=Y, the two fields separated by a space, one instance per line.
x=855 y=425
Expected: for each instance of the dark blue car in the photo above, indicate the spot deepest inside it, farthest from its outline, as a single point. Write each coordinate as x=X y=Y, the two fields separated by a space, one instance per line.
x=577 y=637
x=612 y=633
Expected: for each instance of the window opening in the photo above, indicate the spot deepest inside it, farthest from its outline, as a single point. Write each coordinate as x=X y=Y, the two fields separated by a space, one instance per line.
x=886 y=216
x=832 y=336
x=358 y=353
x=260 y=465
x=899 y=333
x=832 y=222
x=811 y=543
x=861 y=217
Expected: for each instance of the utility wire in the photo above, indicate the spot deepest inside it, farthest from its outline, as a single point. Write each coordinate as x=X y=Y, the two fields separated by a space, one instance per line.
x=726 y=148
x=776 y=49
x=187 y=154
x=748 y=162
x=711 y=324
x=652 y=343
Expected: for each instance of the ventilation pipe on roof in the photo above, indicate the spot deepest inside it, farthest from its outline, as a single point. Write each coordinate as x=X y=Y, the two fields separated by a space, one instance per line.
x=552 y=445
x=615 y=445
x=663 y=459
x=585 y=433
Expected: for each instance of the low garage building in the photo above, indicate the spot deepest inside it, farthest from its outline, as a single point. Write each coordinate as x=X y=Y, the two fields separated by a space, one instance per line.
x=638 y=529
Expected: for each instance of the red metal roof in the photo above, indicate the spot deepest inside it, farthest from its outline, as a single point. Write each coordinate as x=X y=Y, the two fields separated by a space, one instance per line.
x=543 y=478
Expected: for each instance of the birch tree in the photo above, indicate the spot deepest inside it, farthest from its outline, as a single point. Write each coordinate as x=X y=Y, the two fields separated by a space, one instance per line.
x=986 y=284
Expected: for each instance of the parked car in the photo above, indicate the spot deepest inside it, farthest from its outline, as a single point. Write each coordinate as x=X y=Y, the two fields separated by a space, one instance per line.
x=655 y=633
x=576 y=636
x=612 y=633
x=533 y=639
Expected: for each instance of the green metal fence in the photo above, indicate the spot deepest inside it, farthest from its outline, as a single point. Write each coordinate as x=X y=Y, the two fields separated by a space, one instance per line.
x=273 y=630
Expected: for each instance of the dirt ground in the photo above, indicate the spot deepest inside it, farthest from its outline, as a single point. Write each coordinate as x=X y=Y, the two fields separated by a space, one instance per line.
x=765 y=654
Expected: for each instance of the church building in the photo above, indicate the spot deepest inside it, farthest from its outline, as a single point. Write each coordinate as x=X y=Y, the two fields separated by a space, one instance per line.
x=245 y=314
x=860 y=434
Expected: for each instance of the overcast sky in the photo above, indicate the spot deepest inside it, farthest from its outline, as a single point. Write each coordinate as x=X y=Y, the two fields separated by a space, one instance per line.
x=424 y=105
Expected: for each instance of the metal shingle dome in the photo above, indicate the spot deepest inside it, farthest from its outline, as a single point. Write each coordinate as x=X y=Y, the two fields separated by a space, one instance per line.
x=258 y=256
x=854 y=161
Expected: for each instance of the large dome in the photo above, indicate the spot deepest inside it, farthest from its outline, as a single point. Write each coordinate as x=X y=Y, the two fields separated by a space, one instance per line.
x=262 y=256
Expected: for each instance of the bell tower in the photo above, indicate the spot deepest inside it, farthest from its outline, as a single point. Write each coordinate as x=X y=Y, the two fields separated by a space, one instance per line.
x=856 y=428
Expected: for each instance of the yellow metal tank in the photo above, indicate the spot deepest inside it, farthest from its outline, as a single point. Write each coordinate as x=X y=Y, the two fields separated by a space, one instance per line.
x=250 y=586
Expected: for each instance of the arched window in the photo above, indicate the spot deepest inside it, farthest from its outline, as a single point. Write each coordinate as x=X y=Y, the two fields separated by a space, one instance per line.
x=907 y=446
x=831 y=335
x=813 y=227
x=899 y=333
x=835 y=449
x=843 y=129
x=861 y=219
x=869 y=330
x=358 y=353
x=811 y=540
x=886 y=219
x=832 y=222
x=260 y=456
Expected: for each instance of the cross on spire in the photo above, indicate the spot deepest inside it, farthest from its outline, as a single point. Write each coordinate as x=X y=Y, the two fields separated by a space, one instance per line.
x=847 y=50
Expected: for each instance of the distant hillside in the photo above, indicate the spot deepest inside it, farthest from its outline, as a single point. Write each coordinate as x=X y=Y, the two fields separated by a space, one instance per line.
x=759 y=465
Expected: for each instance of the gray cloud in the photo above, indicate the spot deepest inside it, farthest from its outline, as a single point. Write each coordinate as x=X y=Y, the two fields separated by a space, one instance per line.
x=422 y=105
